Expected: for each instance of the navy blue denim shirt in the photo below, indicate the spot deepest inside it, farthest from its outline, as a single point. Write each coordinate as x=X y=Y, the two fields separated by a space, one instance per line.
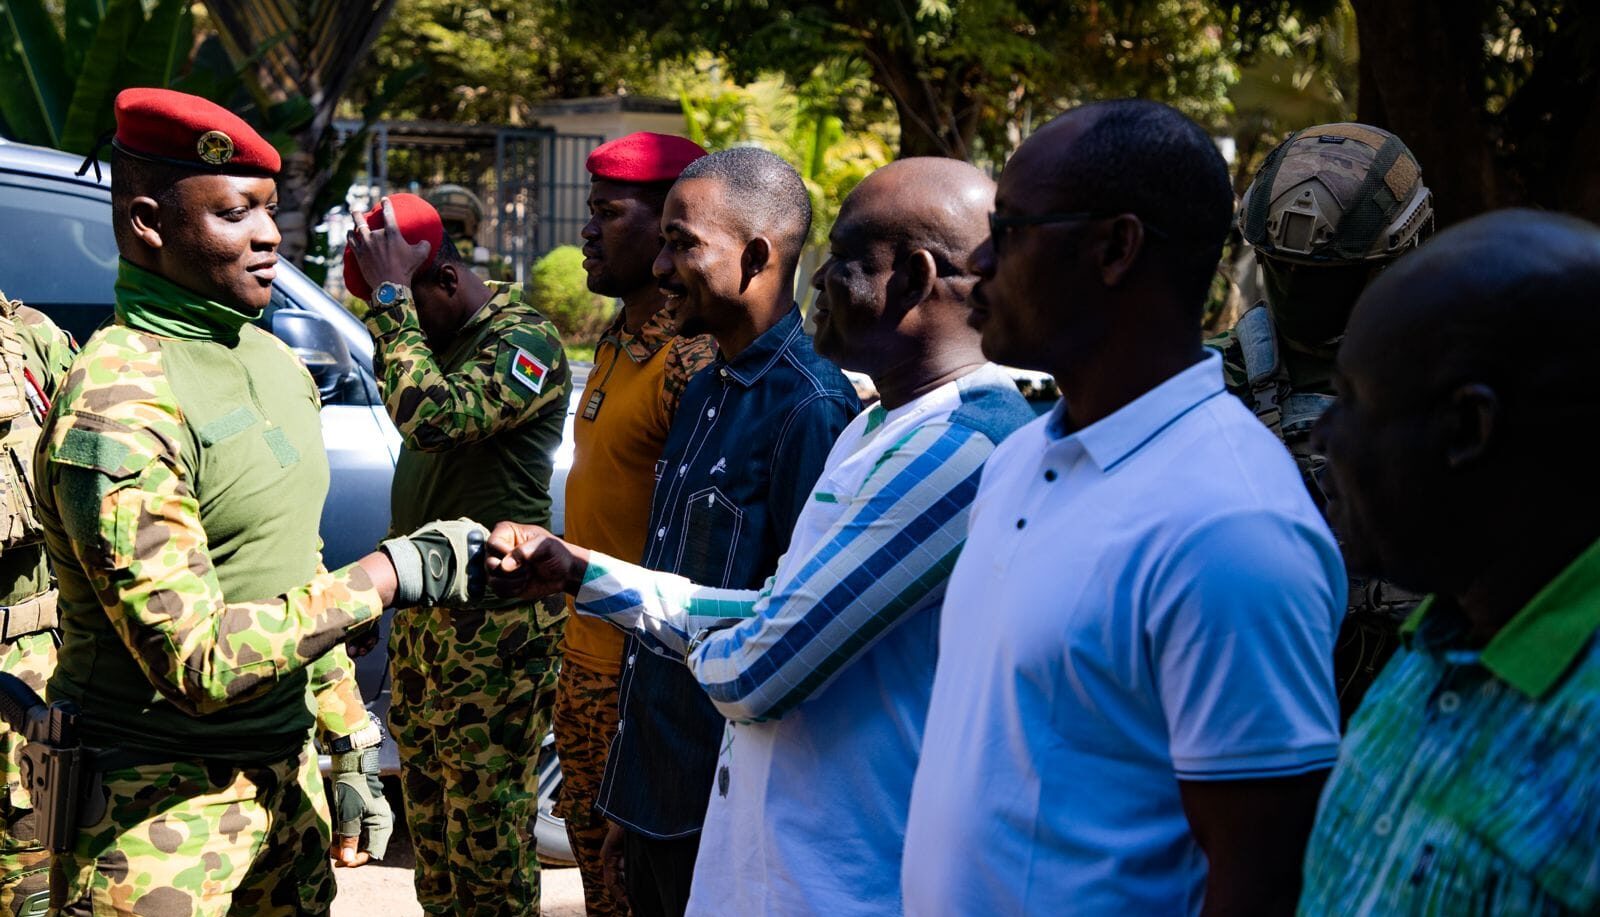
x=747 y=444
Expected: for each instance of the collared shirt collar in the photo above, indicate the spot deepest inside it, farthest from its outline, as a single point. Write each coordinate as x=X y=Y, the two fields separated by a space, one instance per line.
x=1539 y=644
x=753 y=362
x=640 y=346
x=1111 y=439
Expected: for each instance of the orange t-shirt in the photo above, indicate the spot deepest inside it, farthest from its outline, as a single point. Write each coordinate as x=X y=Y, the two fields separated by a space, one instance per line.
x=615 y=450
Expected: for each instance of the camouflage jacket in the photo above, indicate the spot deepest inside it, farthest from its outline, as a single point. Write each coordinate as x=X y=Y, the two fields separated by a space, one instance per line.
x=181 y=484
x=481 y=420
x=35 y=360
x=1288 y=389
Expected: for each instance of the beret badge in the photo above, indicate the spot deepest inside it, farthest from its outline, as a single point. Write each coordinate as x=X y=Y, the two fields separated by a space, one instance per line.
x=214 y=147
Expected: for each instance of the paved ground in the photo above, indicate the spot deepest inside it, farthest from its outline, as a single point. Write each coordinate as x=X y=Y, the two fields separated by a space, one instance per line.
x=385 y=890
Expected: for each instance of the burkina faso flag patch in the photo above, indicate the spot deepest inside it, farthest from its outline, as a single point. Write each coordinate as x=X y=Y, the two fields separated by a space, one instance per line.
x=529 y=370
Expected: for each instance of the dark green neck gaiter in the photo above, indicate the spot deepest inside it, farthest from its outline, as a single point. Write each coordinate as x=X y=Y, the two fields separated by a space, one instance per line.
x=152 y=303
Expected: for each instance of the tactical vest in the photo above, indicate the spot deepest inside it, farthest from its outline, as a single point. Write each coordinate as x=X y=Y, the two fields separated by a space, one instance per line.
x=1290 y=415
x=22 y=410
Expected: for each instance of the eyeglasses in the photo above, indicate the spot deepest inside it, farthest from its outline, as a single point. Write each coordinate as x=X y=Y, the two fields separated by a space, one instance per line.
x=999 y=225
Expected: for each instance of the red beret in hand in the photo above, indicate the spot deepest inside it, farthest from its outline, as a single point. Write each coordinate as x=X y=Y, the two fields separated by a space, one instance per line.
x=643 y=158
x=190 y=132
x=419 y=222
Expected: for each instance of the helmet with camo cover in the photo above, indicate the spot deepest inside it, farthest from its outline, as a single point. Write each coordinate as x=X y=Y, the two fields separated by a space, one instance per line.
x=459 y=209
x=1337 y=193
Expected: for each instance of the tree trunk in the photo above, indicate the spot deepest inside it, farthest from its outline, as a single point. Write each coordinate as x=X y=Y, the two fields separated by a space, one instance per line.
x=1419 y=60
x=929 y=121
x=295 y=194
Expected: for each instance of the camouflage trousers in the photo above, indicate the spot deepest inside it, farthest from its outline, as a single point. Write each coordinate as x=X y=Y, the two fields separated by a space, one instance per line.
x=192 y=838
x=585 y=723
x=24 y=865
x=472 y=697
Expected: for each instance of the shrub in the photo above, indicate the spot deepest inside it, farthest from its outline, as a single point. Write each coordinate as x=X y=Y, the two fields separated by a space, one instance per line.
x=559 y=288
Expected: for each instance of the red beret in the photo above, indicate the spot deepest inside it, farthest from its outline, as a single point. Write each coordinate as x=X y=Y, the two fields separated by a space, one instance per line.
x=419 y=222
x=643 y=158
x=184 y=130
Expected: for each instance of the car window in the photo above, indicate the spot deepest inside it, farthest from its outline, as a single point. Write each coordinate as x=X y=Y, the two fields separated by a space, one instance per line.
x=59 y=253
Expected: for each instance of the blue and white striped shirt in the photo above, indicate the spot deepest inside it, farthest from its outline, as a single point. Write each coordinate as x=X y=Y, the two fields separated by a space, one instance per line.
x=831 y=664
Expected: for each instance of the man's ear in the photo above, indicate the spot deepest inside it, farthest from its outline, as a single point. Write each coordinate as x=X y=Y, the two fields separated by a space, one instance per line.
x=1119 y=248
x=1471 y=419
x=447 y=277
x=144 y=215
x=915 y=279
x=756 y=257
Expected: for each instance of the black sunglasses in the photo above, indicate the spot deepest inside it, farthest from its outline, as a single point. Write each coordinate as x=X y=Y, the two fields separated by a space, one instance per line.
x=999 y=225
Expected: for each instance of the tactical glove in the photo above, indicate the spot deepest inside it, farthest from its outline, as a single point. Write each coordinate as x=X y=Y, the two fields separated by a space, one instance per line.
x=359 y=803
x=439 y=564
x=358 y=800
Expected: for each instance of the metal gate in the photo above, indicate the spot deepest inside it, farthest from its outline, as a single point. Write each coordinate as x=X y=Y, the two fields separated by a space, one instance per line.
x=531 y=181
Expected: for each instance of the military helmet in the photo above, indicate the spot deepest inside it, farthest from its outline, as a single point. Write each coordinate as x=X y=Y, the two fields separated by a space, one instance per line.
x=459 y=209
x=1337 y=193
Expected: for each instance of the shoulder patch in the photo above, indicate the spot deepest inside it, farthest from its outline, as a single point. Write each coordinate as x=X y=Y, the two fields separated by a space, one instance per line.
x=528 y=371
x=97 y=444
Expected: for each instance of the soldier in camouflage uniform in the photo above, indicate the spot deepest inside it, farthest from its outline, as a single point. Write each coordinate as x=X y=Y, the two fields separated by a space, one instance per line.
x=1330 y=208
x=180 y=477
x=34 y=355
x=477 y=383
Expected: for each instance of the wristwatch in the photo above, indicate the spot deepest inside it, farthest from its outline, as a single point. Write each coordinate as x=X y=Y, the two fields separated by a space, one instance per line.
x=389 y=294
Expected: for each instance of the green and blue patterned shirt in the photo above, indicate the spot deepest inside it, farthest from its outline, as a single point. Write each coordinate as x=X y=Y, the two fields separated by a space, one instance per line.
x=1468 y=783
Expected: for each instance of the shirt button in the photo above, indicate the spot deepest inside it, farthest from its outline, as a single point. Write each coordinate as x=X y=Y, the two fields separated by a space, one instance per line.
x=1050 y=474
x=724 y=373
x=1022 y=523
x=1449 y=702
x=619 y=726
x=1380 y=826
x=661 y=532
x=683 y=470
x=711 y=412
x=631 y=657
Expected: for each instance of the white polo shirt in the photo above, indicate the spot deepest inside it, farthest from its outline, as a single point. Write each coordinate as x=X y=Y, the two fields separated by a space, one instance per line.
x=1151 y=599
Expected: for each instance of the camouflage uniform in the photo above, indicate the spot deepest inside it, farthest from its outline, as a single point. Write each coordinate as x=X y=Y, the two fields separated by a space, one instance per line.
x=1330 y=207
x=181 y=481
x=35 y=355
x=473 y=689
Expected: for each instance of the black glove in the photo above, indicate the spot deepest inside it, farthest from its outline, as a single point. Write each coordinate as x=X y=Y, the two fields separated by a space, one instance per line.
x=439 y=564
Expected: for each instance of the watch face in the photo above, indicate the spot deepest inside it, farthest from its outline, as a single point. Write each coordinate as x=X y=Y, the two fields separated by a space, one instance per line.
x=387 y=294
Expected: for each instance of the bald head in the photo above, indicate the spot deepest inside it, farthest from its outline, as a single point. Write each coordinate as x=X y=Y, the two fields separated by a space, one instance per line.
x=1465 y=381
x=928 y=202
x=893 y=292
x=1506 y=298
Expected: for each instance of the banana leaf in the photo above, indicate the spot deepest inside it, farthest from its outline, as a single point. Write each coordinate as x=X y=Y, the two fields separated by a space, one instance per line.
x=162 y=46
x=36 y=89
x=82 y=19
x=90 y=113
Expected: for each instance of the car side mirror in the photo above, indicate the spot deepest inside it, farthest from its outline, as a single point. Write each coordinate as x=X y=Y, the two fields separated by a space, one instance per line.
x=318 y=345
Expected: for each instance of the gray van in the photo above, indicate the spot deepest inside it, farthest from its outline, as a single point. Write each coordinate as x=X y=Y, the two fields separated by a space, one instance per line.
x=58 y=254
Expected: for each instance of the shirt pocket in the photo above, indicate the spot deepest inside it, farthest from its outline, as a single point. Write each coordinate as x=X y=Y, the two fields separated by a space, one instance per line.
x=712 y=524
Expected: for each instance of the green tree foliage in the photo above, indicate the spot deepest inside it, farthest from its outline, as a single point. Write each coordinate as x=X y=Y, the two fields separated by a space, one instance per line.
x=65 y=66
x=1499 y=99
x=963 y=76
x=560 y=290
x=488 y=62
x=1301 y=72
x=832 y=128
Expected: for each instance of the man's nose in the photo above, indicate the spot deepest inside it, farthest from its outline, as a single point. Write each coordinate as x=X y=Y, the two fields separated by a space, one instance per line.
x=662 y=266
